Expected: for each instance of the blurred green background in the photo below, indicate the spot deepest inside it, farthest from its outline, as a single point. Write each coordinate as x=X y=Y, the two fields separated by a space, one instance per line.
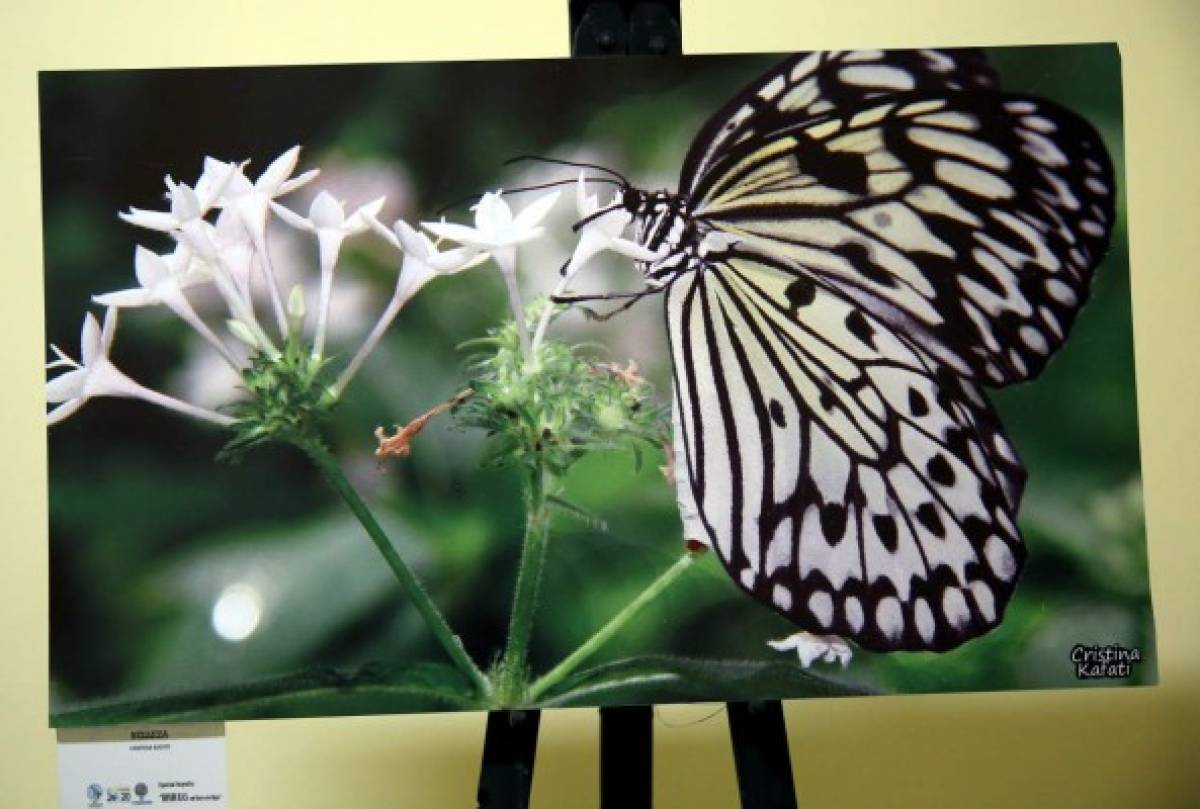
x=150 y=538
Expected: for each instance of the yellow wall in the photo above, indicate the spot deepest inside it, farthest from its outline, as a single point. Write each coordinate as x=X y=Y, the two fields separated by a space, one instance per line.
x=1089 y=749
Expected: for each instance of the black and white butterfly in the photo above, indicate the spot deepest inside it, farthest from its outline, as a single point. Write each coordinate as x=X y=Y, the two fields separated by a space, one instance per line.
x=861 y=241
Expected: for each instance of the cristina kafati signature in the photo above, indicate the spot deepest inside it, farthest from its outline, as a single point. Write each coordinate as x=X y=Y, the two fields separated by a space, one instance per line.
x=1111 y=662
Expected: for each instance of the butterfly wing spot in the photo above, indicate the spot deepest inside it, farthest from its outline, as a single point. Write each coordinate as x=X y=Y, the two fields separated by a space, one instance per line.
x=782 y=597
x=833 y=522
x=958 y=145
x=885 y=531
x=1060 y=292
x=890 y=618
x=801 y=292
x=976 y=181
x=961 y=121
x=820 y=604
x=881 y=77
x=954 y=606
x=985 y=600
x=840 y=170
x=939 y=471
x=917 y=405
x=1000 y=558
x=854 y=614
x=1034 y=340
x=923 y=618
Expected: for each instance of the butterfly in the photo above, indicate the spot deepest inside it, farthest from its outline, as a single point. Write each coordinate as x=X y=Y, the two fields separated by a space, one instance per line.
x=860 y=243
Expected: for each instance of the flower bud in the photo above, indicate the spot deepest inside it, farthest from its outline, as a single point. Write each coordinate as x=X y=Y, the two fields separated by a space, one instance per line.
x=241 y=331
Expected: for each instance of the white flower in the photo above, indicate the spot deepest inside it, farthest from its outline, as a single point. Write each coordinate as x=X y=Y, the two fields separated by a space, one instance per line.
x=327 y=219
x=250 y=201
x=96 y=376
x=601 y=230
x=499 y=232
x=187 y=204
x=223 y=252
x=810 y=648
x=162 y=280
x=496 y=229
x=422 y=262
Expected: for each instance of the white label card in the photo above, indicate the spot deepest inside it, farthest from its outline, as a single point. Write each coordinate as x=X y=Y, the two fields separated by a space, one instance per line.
x=143 y=765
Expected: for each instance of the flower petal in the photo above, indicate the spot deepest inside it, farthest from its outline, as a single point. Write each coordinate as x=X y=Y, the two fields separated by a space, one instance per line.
x=358 y=221
x=326 y=212
x=128 y=298
x=387 y=233
x=459 y=233
x=294 y=183
x=292 y=218
x=109 y=331
x=412 y=241
x=151 y=220
x=149 y=268
x=63 y=411
x=90 y=345
x=536 y=211
x=66 y=386
x=275 y=174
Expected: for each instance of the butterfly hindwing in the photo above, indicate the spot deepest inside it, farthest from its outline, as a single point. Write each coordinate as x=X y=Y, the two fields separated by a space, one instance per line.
x=842 y=477
x=972 y=222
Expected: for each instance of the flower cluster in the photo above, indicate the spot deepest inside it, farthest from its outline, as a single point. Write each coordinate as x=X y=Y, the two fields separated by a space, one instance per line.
x=550 y=409
x=277 y=347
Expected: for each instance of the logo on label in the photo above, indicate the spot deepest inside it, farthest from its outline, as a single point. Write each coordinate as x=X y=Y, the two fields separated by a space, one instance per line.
x=120 y=794
x=1111 y=662
x=141 y=791
x=94 y=793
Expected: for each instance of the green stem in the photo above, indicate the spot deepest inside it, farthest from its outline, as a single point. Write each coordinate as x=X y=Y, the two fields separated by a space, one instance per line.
x=408 y=580
x=602 y=636
x=529 y=576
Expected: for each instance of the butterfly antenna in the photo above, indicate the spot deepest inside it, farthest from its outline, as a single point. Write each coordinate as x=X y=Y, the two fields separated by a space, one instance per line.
x=596 y=215
x=521 y=189
x=572 y=163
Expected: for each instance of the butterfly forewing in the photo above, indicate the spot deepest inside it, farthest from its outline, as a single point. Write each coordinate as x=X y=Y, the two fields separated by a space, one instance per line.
x=819 y=85
x=845 y=480
x=972 y=222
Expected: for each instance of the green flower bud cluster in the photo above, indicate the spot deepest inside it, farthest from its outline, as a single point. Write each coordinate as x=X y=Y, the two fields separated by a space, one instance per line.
x=289 y=397
x=549 y=409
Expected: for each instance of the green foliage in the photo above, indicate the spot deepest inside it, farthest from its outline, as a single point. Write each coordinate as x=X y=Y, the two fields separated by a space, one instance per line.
x=554 y=407
x=326 y=690
x=662 y=678
x=288 y=399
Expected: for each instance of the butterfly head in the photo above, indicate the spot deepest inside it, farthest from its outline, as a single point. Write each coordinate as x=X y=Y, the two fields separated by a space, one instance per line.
x=663 y=225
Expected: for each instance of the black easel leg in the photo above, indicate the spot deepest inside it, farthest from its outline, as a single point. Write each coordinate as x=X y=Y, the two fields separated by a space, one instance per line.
x=626 y=757
x=506 y=775
x=760 y=751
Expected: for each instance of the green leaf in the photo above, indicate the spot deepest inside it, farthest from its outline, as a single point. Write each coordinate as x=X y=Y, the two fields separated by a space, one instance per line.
x=661 y=678
x=320 y=692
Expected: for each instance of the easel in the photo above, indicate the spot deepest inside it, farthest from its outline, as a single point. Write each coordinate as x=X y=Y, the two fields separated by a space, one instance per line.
x=756 y=729
x=760 y=752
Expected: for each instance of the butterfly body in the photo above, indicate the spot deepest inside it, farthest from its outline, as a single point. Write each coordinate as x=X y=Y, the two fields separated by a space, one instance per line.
x=861 y=241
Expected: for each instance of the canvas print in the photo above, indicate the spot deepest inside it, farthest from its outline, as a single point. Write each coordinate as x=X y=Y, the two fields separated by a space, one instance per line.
x=393 y=388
